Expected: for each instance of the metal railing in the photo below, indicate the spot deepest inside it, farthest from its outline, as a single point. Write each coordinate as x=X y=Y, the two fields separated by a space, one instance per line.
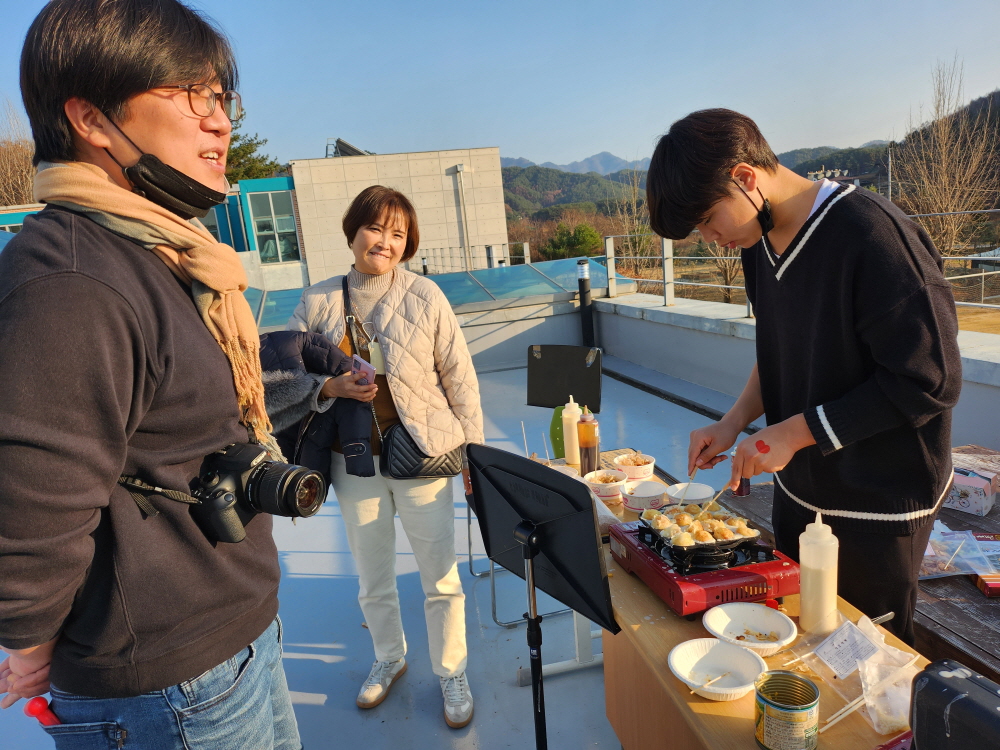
x=435 y=260
x=699 y=276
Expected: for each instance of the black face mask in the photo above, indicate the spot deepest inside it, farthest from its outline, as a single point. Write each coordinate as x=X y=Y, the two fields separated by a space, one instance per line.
x=166 y=186
x=764 y=217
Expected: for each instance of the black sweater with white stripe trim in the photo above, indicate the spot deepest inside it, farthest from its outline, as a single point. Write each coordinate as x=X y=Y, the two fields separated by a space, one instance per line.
x=856 y=329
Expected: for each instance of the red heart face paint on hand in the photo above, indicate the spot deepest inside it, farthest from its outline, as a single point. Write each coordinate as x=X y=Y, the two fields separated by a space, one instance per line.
x=763 y=447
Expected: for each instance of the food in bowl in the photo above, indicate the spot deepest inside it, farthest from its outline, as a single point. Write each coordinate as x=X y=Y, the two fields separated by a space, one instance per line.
x=603 y=479
x=635 y=465
x=634 y=459
x=606 y=485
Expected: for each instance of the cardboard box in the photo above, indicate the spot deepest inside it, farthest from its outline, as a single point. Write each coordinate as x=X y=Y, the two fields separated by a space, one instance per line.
x=977 y=479
x=989 y=585
x=973 y=491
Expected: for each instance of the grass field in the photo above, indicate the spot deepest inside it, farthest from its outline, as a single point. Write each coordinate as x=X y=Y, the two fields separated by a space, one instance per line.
x=979 y=319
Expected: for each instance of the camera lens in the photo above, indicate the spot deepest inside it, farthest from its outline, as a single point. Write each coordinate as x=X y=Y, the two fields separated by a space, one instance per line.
x=286 y=490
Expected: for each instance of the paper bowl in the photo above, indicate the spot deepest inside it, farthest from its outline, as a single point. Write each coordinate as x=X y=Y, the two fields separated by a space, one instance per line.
x=728 y=622
x=609 y=492
x=636 y=472
x=698 y=493
x=567 y=470
x=640 y=496
x=696 y=662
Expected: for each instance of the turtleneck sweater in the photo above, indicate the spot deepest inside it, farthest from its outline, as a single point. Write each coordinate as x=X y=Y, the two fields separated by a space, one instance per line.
x=366 y=290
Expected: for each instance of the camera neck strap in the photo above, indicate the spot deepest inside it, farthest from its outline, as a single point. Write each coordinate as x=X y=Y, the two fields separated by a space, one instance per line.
x=139 y=490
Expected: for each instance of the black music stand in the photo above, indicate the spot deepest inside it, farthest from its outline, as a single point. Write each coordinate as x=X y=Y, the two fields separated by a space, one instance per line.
x=557 y=371
x=541 y=525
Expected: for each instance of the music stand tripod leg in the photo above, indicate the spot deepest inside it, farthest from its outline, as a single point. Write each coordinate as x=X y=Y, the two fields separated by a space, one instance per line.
x=527 y=536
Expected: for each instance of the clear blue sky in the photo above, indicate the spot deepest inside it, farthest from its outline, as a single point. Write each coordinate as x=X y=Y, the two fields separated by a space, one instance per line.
x=560 y=81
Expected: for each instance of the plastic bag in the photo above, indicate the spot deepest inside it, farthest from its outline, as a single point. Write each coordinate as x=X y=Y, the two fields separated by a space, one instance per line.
x=952 y=553
x=887 y=689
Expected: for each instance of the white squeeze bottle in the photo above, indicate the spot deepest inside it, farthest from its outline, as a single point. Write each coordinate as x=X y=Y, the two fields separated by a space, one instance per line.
x=571 y=441
x=818 y=549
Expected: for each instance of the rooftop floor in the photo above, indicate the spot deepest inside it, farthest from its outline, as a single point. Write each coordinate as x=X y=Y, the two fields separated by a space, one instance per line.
x=328 y=653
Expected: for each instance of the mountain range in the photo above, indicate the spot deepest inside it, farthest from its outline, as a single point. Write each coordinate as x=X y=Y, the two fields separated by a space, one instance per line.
x=603 y=163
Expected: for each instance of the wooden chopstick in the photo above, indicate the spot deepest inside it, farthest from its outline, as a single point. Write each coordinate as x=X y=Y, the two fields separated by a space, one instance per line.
x=705 y=685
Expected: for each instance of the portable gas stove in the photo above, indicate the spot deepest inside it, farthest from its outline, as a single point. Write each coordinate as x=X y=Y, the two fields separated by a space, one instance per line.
x=695 y=579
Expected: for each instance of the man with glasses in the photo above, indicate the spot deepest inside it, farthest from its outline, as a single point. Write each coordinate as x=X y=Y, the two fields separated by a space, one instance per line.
x=131 y=352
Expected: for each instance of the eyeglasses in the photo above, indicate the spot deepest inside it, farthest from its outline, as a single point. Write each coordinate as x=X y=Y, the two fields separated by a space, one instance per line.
x=202 y=100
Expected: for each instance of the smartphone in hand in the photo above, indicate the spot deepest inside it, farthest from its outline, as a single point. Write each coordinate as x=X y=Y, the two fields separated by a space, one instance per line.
x=359 y=365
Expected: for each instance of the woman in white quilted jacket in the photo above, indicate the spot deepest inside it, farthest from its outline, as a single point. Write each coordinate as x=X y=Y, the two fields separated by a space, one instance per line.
x=425 y=380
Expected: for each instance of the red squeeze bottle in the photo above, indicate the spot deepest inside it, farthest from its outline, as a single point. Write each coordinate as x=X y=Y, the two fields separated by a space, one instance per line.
x=38 y=708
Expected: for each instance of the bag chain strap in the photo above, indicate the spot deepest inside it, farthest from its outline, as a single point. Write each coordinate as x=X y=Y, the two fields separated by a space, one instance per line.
x=349 y=320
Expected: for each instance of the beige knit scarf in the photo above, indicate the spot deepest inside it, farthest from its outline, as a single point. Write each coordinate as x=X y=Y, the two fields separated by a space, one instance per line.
x=210 y=268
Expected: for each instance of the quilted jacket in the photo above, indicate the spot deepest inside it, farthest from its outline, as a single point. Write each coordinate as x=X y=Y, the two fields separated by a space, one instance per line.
x=428 y=365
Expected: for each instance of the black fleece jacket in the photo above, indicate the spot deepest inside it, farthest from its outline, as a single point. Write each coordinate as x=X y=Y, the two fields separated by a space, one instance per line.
x=856 y=328
x=108 y=369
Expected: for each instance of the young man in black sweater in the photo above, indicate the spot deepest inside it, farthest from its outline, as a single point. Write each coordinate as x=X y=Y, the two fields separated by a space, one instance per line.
x=858 y=365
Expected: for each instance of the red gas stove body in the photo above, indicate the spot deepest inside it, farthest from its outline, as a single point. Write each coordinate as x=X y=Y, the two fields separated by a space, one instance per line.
x=697 y=592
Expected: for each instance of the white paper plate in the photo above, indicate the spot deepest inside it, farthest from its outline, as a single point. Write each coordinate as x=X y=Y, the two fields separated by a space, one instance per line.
x=696 y=662
x=729 y=621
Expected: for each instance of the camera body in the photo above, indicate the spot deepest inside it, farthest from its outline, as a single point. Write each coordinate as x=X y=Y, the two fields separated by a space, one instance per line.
x=239 y=481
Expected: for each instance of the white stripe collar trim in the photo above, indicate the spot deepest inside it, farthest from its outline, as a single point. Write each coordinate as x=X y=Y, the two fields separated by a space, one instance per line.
x=829 y=430
x=812 y=228
x=864 y=516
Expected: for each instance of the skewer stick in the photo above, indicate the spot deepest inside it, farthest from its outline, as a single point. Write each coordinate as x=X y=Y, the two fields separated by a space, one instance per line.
x=687 y=486
x=714 y=679
x=525 y=436
x=548 y=458
x=948 y=565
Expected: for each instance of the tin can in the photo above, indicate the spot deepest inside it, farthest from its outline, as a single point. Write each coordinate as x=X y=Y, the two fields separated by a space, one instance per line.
x=786 y=711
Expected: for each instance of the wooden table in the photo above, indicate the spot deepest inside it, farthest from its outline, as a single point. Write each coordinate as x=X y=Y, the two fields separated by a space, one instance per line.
x=650 y=709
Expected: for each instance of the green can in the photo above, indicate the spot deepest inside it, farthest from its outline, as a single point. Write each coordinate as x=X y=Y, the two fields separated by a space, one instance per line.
x=786 y=711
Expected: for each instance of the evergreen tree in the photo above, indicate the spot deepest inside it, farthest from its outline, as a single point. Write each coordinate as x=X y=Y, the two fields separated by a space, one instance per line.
x=244 y=161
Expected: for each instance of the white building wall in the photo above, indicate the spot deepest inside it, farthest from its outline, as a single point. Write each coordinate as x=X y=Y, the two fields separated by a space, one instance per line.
x=325 y=187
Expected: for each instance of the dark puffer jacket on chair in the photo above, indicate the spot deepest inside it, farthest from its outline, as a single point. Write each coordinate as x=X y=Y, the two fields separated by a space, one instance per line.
x=295 y=365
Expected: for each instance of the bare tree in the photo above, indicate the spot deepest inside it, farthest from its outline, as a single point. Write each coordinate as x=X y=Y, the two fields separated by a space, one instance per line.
x=949 y=164
x=630 y=220
x=728 y=265
x=16 y=149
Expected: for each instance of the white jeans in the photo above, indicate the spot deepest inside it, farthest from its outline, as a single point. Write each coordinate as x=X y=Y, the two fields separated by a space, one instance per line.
x=427 y=512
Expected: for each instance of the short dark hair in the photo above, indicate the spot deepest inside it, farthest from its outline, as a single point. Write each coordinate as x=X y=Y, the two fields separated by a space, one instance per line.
x=689 y=171
x=376 y=202
x=106 y=52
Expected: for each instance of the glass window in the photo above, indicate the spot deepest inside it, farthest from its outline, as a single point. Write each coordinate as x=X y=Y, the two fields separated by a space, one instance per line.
x=12 y=228
x=212 y=224
x=254 y=297
x=515 y=281
x=274 y=227
x=460 y=288
x=279 y=306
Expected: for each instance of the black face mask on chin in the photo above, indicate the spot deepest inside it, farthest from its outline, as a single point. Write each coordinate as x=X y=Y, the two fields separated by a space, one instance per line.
x=166 y=186
x=764 y=217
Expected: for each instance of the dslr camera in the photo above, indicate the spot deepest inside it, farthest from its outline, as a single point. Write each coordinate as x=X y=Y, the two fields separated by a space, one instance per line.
x=239 y=482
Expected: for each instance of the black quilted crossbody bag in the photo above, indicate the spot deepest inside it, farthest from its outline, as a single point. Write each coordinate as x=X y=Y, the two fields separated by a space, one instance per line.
x=400 y=457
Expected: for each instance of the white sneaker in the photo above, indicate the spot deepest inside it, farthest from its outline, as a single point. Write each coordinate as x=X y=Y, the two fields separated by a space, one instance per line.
x=380 y=679
x=457 y=700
